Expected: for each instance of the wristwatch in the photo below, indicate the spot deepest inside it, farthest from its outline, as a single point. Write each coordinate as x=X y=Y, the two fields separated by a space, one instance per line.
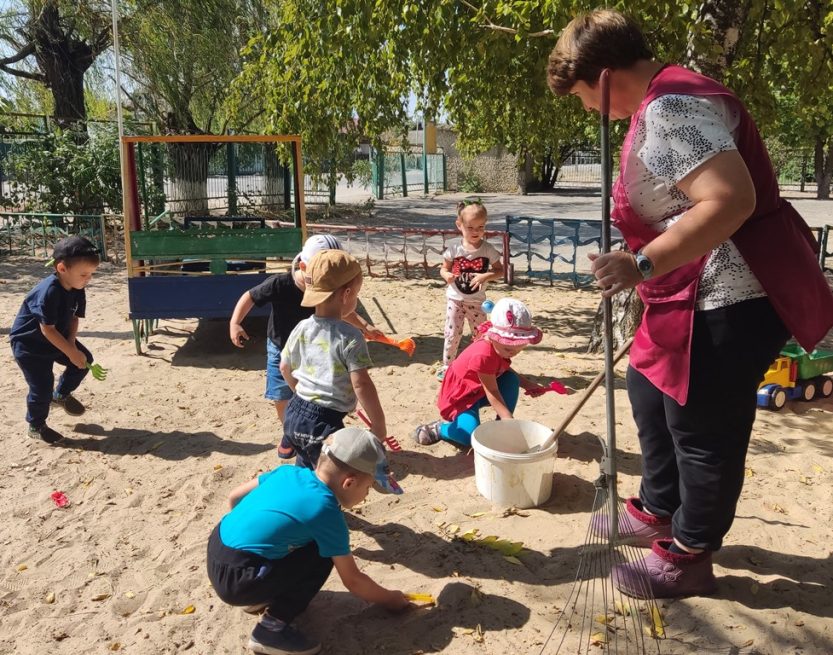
x=644 y=265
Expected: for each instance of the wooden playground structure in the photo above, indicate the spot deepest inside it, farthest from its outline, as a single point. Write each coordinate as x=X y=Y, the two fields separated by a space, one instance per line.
x=197 y=266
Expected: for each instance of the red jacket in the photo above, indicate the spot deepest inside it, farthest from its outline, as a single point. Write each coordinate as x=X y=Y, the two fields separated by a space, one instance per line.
x=775 y=242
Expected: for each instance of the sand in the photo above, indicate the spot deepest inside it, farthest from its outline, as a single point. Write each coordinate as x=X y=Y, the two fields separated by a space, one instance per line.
x=148 y=468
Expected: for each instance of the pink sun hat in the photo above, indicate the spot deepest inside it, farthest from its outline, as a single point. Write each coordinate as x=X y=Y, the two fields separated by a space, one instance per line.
x=510 y=324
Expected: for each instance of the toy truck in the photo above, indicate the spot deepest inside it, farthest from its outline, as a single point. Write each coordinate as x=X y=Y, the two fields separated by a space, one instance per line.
x=796 y=374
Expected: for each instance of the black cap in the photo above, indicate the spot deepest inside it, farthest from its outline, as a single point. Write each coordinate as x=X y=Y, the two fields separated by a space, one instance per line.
x=74 y=246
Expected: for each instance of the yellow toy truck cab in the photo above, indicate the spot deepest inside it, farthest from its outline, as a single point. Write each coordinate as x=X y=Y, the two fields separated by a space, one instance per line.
x=780 y=372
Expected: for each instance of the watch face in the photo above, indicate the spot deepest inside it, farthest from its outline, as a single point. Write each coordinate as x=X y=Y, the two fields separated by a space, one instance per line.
x=644 y=264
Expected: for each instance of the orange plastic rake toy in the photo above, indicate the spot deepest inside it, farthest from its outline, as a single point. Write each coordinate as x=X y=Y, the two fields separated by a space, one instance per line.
x=406 y=345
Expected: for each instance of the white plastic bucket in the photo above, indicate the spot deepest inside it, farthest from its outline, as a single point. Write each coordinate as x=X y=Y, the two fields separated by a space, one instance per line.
x=505 y=472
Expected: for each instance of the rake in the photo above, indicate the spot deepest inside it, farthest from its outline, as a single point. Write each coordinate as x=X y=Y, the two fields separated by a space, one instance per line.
x=97 y=371
x=596 y=616
x=405 y=345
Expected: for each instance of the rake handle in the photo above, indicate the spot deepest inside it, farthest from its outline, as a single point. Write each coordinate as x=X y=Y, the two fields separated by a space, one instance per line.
x=585 y=396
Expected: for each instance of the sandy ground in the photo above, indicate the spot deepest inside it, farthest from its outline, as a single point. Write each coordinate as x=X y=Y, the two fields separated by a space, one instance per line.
x=148 y=468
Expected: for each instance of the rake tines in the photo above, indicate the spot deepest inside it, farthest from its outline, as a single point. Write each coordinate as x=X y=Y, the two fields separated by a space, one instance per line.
x=597 y=617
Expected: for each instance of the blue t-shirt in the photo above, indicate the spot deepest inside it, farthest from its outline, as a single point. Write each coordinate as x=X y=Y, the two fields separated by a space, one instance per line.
x=47 y=304
x=289 y=509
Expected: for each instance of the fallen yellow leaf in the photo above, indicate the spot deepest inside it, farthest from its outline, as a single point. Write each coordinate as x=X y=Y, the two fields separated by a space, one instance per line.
x=469 y=535
x=598 y=638
x=189 y=610
x=22 y=567
x=513 y=560
x=453 y=528
x=476 y=515
x=508 y=547
x=604 y=619
x=749 y=473
x=98 y=597
x=817 y=468
x=421 y=598
x=621 y=608
x=217 y=467
x=657 y=623
x=438 y=508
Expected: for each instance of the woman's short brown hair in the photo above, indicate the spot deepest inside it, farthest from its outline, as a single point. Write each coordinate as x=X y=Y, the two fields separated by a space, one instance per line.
x=592 y=42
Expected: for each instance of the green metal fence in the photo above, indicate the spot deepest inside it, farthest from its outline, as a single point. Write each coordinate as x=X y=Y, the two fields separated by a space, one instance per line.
x=35 y=234
x=400 y=173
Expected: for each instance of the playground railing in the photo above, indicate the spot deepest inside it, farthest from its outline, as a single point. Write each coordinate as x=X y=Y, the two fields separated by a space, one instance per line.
x=411 y=251
x=823 y=239
x=35 y=233
x=558 y=243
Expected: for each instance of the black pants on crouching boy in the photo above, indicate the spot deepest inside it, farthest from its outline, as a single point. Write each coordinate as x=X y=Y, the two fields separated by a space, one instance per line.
x=693 y=455
x=37 y=369
x=287 y=585
x=307 y=426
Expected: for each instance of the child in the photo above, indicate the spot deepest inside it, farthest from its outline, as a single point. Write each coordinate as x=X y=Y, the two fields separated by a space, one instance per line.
x=276 y=547
x=325 y=361
x=284 y=292
x=482 y=376
x=44 y=332
x=467 y=267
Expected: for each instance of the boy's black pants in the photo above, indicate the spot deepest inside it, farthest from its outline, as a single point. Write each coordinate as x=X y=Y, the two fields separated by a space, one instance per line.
x=37 y=369
x=288 y=585
x=693 y=456
x=306 y=426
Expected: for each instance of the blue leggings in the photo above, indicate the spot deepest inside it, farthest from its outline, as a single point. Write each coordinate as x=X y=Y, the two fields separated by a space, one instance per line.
x=460 y=429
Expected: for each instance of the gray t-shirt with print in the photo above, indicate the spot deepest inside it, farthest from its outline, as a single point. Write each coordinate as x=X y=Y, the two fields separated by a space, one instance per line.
x=322 y=352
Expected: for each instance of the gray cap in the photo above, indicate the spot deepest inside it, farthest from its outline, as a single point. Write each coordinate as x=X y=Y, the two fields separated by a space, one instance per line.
x=361 y=450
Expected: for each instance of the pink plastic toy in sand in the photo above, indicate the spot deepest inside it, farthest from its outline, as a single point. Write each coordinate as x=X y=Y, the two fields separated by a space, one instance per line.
x=555 y=385
x=59 y=498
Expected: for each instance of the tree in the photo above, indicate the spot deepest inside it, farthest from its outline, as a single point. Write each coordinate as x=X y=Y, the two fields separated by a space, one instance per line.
x=180 y=58
x=54 y=43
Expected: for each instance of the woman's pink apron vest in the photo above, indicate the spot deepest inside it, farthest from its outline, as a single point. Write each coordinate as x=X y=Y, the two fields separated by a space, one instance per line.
x=775 y=241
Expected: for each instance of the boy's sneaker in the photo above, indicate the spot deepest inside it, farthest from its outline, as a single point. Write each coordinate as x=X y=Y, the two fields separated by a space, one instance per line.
x=286 y=450
x=284 y=641
x=70 y=404
x=44 y=433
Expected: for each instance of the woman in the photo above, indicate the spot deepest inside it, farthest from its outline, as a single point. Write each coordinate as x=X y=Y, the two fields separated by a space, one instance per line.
x=727 y=272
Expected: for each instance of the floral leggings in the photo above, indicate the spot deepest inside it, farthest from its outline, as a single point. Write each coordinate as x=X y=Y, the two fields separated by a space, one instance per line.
x=455 y=312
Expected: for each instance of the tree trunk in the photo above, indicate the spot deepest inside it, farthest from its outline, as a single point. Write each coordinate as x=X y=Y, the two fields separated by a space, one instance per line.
x=189 y=173
x=626 y=309
x=273 y=179
x=63 y=59
x=823 y=167
x=724 y=21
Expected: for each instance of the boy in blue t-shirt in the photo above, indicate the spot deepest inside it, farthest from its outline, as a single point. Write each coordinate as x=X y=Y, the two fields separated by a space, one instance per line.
x=276 y=548
x=44 y=332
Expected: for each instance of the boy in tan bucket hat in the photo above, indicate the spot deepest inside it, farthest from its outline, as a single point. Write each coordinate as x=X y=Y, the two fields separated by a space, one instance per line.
x=325 y=361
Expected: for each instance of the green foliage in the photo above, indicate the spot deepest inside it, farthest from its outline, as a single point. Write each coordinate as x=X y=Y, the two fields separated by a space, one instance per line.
x=65 y=172
x=183 y=55
x=362 y=172
x=469 y=181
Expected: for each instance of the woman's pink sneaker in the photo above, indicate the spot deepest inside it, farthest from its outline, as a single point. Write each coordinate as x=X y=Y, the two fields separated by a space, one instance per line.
x=663 y=574
x=636 y=526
